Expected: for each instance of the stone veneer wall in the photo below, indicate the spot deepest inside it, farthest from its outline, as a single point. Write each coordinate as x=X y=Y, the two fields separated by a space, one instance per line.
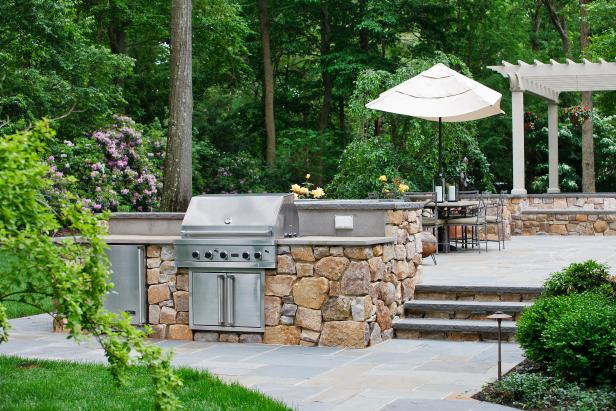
x=565 y=214
x=343 y=296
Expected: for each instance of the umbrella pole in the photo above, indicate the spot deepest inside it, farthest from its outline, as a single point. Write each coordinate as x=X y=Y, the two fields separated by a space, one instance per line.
x=440 y=149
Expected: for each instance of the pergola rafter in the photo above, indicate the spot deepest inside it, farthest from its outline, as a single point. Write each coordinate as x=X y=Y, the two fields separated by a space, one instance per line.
x=548 y=80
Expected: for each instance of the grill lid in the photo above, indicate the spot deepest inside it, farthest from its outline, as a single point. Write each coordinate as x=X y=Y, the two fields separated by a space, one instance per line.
x=245 y=215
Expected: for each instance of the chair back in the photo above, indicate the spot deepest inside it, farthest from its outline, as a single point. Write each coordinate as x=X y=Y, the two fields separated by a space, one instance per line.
x=469 y=194
x=373 y=195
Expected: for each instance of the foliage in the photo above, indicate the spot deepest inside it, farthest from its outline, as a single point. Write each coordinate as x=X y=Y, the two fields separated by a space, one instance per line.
x=578 y=278
x=75 y=274
x=304 y=191
x=116 y=168
x=52 y=67
x=531 y=389
x=573 y=335
x=26 y=385
x=360 y=166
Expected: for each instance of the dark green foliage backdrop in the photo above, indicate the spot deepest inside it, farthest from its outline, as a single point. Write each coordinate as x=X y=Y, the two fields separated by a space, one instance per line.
x=79 y=62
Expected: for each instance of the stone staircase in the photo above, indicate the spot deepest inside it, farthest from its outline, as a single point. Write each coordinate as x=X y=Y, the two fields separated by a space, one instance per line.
x=459 y=312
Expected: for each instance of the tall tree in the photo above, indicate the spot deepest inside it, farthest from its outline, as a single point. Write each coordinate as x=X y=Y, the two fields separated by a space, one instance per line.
x=328 y=85
x=560 y=24
x=268 y=85
x=588 y=146
x=177 y=181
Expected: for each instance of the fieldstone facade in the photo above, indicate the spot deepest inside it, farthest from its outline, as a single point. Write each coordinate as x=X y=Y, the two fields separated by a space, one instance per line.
x=560 y=214
x=345 y=296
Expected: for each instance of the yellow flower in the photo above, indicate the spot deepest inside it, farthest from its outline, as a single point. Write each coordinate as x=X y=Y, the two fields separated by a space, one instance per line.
x=308 y=176
x=403 y=188
x=295 y=196
x=318 y=192
x=296 y=188
x=303 y=191
x=386 y=191
x=383 y=179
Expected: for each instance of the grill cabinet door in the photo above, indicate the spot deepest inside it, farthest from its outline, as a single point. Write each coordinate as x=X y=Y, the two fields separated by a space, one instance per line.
x=207 y=296
x=128 y=277
x=244 y=291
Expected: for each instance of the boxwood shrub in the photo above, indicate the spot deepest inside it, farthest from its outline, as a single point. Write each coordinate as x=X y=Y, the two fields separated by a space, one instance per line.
x=574 y=335
x=578 y=278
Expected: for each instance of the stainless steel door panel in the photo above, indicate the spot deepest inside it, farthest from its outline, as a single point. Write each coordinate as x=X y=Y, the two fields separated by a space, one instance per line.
x=207 y=298
x=128 y=277
x=246 y=295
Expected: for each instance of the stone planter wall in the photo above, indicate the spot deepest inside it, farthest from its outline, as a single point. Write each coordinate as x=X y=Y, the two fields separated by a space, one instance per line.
x=338 y=295
x=563 y=214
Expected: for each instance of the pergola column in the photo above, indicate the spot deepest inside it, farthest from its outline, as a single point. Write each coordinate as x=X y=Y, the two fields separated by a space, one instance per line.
x=553 y=186
x=517 y=129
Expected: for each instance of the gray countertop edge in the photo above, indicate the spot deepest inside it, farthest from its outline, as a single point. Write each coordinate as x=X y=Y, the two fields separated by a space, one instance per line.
x=334 y=241
x=565 y=211
x=358 y=205
x=140 y=239
x=147 y=216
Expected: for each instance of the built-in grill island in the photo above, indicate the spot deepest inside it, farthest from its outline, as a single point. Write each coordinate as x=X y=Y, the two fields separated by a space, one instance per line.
x=227 y=241
x=239 y=268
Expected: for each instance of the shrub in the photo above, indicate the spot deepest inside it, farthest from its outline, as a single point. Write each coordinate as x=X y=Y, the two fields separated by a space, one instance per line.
x=361 y=164
x=578 y=278
x=534 y=390
x=573 y=335
x=582 y=339
x=533 y=323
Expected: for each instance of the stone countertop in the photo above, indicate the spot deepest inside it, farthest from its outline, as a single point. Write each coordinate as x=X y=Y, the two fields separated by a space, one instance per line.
x=148 y=216
x=140 y=239
x=334 y=241
x=359 y=205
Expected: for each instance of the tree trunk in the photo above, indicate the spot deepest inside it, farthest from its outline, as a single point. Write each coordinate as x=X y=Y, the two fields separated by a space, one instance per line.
x=588 y=144
x=326 y=33
x=363 y=33
x=177 y=181
x=536 y=26
x=341 y=115
x=268 y=85
x=560 y=24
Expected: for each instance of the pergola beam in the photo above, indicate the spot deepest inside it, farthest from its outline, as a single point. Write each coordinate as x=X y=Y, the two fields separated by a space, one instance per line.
x=548 y=80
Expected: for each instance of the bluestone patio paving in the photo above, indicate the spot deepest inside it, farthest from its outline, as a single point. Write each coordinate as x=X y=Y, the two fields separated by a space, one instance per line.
x=526 y=261
x=394 y=375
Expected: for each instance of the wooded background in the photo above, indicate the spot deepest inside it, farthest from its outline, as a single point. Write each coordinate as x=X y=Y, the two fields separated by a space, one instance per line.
x=279 y=86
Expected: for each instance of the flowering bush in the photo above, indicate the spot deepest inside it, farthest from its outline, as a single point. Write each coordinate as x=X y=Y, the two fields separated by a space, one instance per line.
x=392 y=188
x=305 y=191
x=113 y=169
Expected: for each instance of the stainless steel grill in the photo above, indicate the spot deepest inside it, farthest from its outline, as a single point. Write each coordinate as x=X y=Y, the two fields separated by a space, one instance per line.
x=226 y=242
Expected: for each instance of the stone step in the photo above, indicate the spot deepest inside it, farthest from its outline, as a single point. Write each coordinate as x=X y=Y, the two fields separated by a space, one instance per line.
x=476 y=292
x=463 y=305
x=467 y=330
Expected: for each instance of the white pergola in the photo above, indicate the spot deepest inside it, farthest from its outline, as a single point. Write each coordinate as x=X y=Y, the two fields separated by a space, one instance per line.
x=548 y=81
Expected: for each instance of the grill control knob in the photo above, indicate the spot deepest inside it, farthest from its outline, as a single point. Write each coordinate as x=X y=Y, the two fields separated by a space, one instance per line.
x=245 y=255
x=195 y=254
x=258 y=255
x=208 y=255
x=223 y=254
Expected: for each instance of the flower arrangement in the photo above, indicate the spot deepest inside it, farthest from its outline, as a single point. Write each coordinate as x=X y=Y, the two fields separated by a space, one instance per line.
x=577 y=114
x=304 y=191
x=394 y=188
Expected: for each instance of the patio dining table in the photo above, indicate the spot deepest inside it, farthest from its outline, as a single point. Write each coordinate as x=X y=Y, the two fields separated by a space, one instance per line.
x=445 y=209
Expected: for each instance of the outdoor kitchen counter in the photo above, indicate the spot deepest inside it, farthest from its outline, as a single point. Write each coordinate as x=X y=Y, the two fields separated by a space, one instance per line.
x=140 y=239
x=335 y=241
x=358 y=205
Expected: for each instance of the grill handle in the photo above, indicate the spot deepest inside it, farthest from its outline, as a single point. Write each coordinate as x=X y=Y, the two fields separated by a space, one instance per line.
x=230 y=299
x=226 y=233
x=221 y=299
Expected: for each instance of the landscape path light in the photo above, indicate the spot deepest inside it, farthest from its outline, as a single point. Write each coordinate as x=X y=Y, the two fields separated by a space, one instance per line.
x=499 y=316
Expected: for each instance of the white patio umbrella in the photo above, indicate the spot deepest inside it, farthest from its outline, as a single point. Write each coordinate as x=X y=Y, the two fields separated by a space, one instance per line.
x=440 y=94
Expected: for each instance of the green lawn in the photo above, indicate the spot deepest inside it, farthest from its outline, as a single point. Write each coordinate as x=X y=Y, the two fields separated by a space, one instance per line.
x=51 y=385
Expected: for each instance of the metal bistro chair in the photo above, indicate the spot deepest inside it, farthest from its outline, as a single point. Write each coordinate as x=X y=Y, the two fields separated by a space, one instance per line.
x=464 y=212
x=497 y=219
x=433 y=222
x=476 y=222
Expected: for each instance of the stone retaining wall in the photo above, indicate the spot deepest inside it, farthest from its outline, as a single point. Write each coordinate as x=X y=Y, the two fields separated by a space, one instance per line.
x=344 y=296
x=562 y=214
